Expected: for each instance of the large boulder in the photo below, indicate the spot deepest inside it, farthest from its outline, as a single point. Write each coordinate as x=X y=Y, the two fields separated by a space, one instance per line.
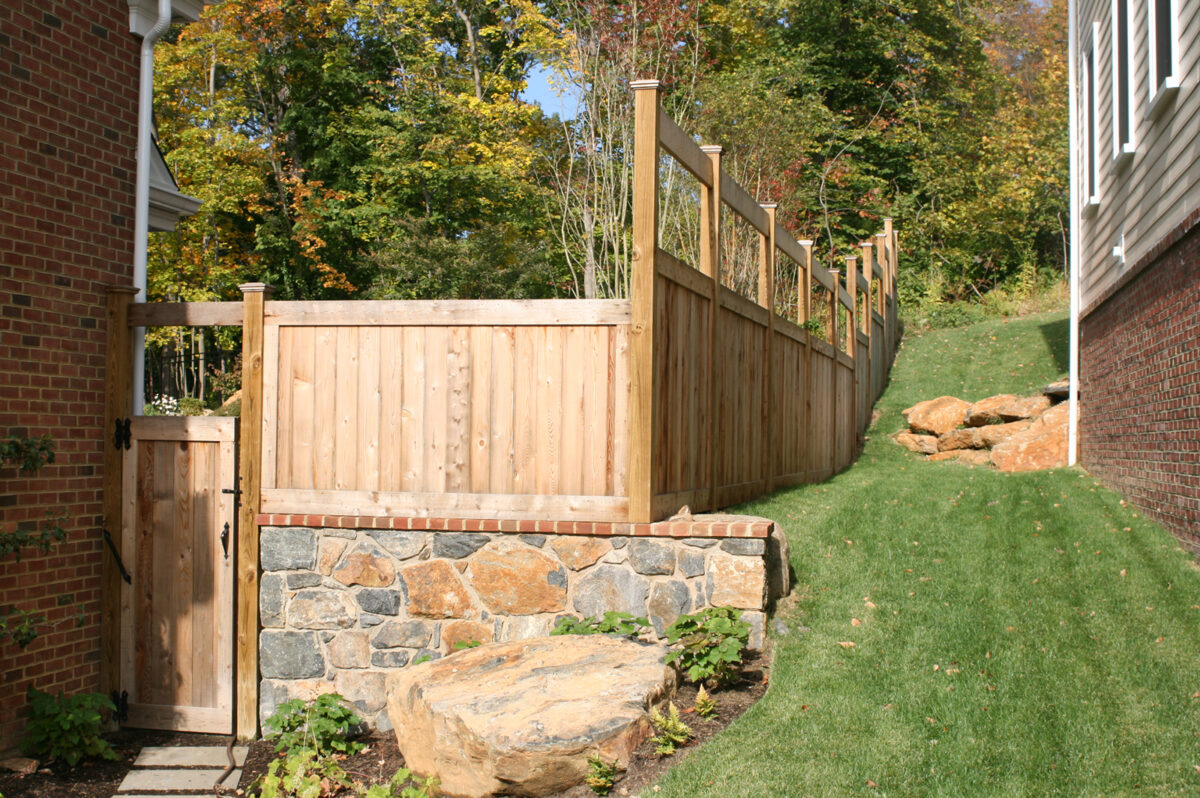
x=936 y=416
x=995 y=434
x=522 y=717
x=921 y=444
x=1043 y=444
x=1004 y=408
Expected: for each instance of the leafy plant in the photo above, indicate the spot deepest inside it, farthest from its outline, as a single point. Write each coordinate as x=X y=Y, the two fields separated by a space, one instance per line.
x=813 y=326
x=27 y=454
x=601 y=775
x=301 y=774
x=613 y=623
x=20 y=625
x=672 y=731
x=711 y=643
x=462 y=645
x=324 y=725
x=705 y=706
x=405 y=784
x=66 y=728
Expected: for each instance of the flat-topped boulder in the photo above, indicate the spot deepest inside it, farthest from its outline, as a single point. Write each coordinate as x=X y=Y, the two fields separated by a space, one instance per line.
x=936 y=416
x=522 y=717
x=1043 y=444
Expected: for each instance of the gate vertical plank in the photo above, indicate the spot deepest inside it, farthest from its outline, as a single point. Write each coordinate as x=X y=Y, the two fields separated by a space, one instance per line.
x=179 y=589
x=345 y=389
x=501 y=456
x=479 y=405
x=370 y=406
x=200 y=589
x=458 y=411
x=412 y=413
x=301 y=439
x=391 y=450
x=250 y=467
x=437 y=350
x=324 y=420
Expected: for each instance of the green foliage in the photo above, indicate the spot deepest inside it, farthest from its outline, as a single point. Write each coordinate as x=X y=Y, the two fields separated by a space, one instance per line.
x=613 y=623
x=66 y=729
x=27 y=454
x=462 y=645
x=303 y=773
x=672 y=731
x=21 y=626
x=601 y=775
x=711 y=643
x=324 y=725
x=705 y=706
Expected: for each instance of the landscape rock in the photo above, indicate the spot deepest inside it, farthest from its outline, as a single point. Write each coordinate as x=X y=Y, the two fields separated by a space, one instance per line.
x=287 y=548
x=512 y=578
x=936 y=416
x=580 y=552
x=987 y=411
x=366 y=566
x=435 y=590
x=652 y=557
x=522 y=717
x=921 y=444
x=994 y=434
x=972 y=457
x=609 y=587
x=969 y=438
x=1043 y=444
x=457 y=632
x=668 y=600
x=736 y=581
x=290 y=655
x=1058 y=390
x=778 y=565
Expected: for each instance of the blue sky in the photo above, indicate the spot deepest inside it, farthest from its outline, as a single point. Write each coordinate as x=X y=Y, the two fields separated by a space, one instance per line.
x=540 y=91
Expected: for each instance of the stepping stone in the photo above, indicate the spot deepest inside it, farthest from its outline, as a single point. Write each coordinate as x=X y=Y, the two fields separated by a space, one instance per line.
x=176 y=780
x=189 y=756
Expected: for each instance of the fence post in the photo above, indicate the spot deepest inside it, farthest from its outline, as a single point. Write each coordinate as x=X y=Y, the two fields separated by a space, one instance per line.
x=118 y=391
x=766 y=298
x=804 y=306
x=710 y=264
x=868 y=267
x=250 y=482
x=852 y=343
x=889 y=274
x=643 y=392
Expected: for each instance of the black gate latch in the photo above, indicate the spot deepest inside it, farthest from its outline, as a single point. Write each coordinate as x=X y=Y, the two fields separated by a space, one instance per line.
x=121 y=704
x=121 y=434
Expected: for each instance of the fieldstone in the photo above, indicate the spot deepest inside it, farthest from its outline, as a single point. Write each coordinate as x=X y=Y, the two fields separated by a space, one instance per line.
x=700 y=543
x=456 y=545
x=758 y=623
x=367 y=620
x=522 y=717
x=921 y=444
x=737 y=582
x=744 y=546
x=270 y=600
x=435 y=590
x=390 y=658
x=329 y=551
x=652 y=557
x=457 y=632
x=523 y=627
x=1043 y=444
x=290 y=655
x=619 y=542
x=987 y=411
x=537 y=541
x=936 y=416
x=407 y=634
x=379 y=601
x=700 y=592
x=350 y=650
x=668 y=600
x=996 y=434
x=368 y=566
x=321 y=609
x=969 y=438
x=287 y=548
x=691 y=563
x=971 y=457
x=514 y=579
x=365 y=689
x=778 y=564
x=338 y=532
x=1058 y=390
x=580 y=552
x=609 y=587
x=400 y=544
x=1025 y=407
x=303 y=579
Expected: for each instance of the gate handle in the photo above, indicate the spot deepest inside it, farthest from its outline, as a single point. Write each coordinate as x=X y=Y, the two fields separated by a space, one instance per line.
x=225 y=539
x=117 y=556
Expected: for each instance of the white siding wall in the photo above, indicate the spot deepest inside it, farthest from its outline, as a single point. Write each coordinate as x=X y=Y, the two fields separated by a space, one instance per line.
x=1150 y=196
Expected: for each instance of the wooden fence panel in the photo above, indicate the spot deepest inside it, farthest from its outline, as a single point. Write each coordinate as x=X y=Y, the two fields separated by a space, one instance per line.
x=788 y=398
x=821 y=415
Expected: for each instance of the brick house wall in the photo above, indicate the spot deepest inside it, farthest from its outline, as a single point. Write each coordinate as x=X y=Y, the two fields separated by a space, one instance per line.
x=68 y=135
x=1139 y=427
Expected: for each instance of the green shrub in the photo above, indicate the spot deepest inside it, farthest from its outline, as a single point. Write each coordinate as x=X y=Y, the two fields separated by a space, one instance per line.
x=601 y=775
x=324 y=725
x=705 y=706
x=191 y=406
x=711 y=643
x=67 y=729
x=613 y=623
x=305 y=774
x=672 y=731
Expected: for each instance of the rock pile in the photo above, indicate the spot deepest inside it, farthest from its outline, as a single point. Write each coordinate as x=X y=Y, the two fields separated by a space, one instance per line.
x=1011 y=433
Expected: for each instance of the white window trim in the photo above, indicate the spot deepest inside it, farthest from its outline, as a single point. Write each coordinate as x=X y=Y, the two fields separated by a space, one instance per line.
x=1090 y=137
x=1123 y=151
x=1163 y=88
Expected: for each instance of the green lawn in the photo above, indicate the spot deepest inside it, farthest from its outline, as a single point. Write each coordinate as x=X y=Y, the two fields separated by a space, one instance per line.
x=1019 y=634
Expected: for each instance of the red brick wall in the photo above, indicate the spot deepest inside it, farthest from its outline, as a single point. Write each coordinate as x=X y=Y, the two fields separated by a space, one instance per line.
x=68 y=135
x=1139 y=428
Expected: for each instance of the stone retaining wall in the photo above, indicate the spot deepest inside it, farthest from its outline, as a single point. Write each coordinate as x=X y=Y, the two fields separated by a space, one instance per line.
x=340 y=607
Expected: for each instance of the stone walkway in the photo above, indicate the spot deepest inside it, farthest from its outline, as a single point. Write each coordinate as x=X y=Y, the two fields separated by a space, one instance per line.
x=180 y=772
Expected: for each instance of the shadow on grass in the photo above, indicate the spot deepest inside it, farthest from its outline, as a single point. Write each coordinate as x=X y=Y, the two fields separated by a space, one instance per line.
x=1056 y=335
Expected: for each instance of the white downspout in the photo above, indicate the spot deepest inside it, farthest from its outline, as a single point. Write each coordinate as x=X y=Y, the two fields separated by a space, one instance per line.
x=1076 y=243
x=141 y=222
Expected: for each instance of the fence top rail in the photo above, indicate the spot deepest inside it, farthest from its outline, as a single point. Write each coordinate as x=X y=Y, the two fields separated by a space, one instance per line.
x=745 y=206
x=680 y=146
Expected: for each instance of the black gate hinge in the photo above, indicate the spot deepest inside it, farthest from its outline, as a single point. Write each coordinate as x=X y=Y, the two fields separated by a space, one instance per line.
x=122 y=438
x=121 y=706
x=236 y=493
x=117 y=556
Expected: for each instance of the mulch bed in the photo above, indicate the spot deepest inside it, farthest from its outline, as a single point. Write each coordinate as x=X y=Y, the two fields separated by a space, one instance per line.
x=382 y=758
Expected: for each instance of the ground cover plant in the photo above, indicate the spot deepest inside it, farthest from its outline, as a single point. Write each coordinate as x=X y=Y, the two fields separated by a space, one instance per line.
x=961 y=632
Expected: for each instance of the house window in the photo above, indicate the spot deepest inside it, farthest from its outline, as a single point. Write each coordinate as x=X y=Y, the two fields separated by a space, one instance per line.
x=1163 y=17
x=1091 y=192
x=1122 y=84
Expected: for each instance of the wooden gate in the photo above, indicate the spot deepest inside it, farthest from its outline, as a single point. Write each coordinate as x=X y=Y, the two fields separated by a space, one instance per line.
x=179 y=539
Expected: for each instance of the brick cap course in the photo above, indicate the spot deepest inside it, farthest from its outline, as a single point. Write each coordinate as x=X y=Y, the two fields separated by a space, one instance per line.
x=701 y=526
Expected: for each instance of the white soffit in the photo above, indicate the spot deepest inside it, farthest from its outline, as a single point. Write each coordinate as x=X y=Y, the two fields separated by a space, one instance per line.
x=143 y=14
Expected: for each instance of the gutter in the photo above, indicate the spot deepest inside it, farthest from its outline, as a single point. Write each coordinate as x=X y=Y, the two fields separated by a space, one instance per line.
x=141 y=224
x=1076 y=242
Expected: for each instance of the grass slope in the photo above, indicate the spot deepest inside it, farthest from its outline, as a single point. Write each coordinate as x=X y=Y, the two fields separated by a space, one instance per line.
x=1017 y=635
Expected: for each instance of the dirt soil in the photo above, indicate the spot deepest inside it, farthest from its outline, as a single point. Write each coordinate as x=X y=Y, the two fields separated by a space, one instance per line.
x=382 y=758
